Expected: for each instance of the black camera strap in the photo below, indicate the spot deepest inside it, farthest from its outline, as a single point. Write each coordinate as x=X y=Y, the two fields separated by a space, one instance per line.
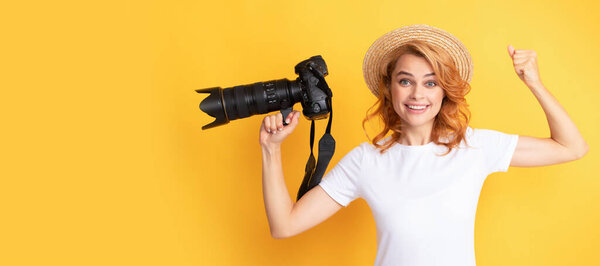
x=313 y=174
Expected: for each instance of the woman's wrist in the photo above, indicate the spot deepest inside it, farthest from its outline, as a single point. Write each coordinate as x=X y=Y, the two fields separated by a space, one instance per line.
x=271 y=148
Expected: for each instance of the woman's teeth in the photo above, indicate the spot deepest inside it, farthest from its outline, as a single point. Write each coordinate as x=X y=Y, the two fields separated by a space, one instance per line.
x=416 y=107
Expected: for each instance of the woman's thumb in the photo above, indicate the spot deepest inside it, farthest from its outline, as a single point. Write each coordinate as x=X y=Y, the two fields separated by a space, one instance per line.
x=295 y=118
x=511 y=51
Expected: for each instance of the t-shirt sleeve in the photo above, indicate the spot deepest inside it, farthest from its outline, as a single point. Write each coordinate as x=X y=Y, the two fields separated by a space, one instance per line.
x=342 y=181
x=497 y=147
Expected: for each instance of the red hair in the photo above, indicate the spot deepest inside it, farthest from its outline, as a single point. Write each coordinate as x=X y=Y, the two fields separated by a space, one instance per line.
x=453 y=118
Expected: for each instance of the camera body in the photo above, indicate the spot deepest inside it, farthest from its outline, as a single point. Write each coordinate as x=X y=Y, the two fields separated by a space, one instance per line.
x=310 y=89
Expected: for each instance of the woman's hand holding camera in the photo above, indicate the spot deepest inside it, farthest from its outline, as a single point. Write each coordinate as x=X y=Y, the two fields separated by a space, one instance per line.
x=272 y=131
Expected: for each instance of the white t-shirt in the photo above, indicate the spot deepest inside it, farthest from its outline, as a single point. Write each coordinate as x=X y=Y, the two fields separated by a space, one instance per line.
x=424 y=205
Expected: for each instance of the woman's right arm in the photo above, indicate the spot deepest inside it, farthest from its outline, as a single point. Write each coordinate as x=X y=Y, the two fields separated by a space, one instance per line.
x=278 y=204
x=285 y=218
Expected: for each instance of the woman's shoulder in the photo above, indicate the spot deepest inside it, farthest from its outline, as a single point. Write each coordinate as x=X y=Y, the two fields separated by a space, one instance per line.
x=368 y=148
x=361 y=149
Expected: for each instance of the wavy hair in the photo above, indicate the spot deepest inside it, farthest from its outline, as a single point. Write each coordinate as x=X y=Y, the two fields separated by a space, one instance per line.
x=453 y=118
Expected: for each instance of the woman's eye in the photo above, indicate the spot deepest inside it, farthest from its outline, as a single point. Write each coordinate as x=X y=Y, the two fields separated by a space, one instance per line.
x=431 y=83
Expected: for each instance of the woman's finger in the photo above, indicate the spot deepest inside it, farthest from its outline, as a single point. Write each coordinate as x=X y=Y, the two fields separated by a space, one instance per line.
x=520 y=61
x=273 y=124
x=279 y=121
x=289 y=117
x=267 y=123
x=511 y=50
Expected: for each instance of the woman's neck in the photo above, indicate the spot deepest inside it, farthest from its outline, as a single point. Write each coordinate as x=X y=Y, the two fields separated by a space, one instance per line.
x=416 y=135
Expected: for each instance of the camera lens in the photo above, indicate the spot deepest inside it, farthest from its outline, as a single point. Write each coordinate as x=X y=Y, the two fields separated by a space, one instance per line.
x=247 y=100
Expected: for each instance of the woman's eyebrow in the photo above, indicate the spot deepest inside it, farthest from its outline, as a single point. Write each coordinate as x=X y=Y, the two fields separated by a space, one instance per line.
x=409 y=74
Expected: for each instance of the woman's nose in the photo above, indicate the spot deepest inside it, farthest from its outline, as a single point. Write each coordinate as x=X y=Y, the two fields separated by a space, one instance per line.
x=417 y=92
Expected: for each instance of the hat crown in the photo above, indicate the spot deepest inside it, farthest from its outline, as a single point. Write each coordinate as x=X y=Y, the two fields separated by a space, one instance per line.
x=396 y=38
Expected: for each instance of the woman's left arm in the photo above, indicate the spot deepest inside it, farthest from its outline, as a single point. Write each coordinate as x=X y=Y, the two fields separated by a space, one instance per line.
x=565 y=142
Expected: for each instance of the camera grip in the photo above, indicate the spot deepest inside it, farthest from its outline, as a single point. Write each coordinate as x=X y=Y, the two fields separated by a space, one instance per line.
x=285 y=112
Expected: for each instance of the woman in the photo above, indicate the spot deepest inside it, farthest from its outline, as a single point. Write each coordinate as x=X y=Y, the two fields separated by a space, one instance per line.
x=423 y=181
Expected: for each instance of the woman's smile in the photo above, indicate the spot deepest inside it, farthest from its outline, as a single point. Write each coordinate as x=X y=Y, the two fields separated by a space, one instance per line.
x=417 y=109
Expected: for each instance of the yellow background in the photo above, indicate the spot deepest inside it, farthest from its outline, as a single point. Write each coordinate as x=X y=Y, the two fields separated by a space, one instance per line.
x=103 y=160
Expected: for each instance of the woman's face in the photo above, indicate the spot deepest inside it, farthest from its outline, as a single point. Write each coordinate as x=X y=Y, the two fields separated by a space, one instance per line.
x=414 y=84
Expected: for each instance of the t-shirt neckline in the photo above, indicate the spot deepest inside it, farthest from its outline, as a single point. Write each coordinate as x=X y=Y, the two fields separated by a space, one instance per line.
x=415 y=147
x=410 y=147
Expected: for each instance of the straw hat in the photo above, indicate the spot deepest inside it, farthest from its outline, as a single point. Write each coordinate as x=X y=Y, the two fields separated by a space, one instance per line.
x=432 y=35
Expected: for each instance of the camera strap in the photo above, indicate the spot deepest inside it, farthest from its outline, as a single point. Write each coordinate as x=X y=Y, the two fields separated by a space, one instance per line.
x=312 y=173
